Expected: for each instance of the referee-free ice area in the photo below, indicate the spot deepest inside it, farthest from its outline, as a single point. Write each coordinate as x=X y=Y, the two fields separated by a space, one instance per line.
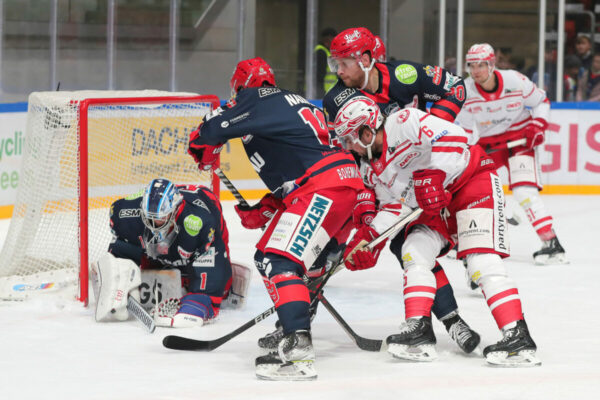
x=55 y=350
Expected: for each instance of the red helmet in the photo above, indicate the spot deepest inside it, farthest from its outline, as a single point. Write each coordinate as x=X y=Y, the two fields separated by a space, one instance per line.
x=480 y=52
x=253 y=72
x=379 y=49
x=352 y=42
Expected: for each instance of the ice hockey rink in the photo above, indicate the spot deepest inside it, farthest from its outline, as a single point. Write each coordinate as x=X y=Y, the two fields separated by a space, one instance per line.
x=55 y=350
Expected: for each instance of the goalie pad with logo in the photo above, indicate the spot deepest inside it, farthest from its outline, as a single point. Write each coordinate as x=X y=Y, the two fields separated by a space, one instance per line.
x=113 y=279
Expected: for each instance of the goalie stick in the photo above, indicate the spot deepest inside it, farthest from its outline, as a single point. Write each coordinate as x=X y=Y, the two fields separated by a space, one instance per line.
x=182 y=343
x=135 y=308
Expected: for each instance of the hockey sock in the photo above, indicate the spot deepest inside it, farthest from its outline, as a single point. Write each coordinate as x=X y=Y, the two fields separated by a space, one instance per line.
x=445 y=302
x=419 y=291
x=530 y=200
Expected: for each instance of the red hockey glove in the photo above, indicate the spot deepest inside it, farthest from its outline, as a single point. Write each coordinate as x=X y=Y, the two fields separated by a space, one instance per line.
x=534 y=133
x=257 y=216
x=356 y=255
x=429 y=190
x=205 y=155
x=364 y=210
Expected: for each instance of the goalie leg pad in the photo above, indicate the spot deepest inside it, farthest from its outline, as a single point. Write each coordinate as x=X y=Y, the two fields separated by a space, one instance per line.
x=241 y=275
x=117 y=278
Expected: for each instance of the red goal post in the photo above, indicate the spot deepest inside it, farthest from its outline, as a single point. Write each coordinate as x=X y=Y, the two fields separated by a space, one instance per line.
x=83 y=150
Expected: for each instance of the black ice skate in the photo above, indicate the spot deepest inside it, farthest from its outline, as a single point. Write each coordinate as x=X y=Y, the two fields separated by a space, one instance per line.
x=515 y=349
x=415 y=342
x=551 y=253
x=271 y=340
x=294 y=360
x=466 y=338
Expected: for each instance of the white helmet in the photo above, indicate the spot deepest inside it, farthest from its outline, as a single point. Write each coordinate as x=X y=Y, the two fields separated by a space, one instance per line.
x=482 y=52
x=358 y=112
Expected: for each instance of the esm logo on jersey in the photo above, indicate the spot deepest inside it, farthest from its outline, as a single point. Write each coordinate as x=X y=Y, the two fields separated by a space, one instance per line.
x=309 y=225
x=340 y=98
x=130 y=213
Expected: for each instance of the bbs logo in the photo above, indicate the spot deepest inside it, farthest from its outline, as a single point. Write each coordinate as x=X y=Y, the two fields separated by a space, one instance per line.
x=340 y=98
x=130 y=213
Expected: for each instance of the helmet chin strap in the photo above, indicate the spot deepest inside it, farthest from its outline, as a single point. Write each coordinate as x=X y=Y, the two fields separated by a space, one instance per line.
x=368 y=146
x=366 y=71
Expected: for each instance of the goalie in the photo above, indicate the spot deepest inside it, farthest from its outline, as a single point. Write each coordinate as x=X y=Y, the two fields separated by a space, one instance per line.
x=178 y=228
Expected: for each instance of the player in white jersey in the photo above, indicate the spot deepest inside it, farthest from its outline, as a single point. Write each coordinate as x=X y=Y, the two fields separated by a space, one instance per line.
x=503 y=107
x=416 y=159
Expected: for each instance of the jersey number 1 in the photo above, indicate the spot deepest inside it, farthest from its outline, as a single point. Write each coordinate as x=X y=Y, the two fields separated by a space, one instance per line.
x=316 y=120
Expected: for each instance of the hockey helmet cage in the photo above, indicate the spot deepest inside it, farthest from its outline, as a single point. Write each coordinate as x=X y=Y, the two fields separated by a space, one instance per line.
x=159 y=207
x=254 y=72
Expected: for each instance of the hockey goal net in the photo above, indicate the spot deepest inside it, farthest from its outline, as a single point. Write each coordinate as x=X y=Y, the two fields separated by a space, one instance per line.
x=83 y=150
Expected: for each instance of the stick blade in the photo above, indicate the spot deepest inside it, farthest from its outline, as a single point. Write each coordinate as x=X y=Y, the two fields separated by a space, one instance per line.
x=182 y=343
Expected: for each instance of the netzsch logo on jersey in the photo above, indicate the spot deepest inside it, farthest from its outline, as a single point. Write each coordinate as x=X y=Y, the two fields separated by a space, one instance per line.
x=309 y=225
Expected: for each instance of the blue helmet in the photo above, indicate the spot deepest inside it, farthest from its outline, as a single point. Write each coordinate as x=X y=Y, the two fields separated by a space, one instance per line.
x=160 y=203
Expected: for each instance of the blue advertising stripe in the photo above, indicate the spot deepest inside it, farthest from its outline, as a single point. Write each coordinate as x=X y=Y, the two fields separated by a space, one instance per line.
x=13 y=107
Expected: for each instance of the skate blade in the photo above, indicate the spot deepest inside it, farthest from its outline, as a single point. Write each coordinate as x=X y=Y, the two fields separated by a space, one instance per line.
x=290 y=371
x=422 y=353
x=524 y=358
x=551 y=260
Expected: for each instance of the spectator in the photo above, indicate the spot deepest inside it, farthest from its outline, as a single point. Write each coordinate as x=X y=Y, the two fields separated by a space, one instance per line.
x=325 y=78
x=589 y=86
x=550 y=55
x=502 y=57
x=583 y=49
x=571 y=77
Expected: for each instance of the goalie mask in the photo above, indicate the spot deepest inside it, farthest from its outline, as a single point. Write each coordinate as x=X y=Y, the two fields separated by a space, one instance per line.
x=254 y=72
x=160 y=204
x=352 y=117
x=481 y=52
x=353 y=43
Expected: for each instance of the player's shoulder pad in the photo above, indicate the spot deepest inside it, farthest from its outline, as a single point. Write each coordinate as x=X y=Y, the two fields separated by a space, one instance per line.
x=402 y=125
x=337 y=96
x=126 y=208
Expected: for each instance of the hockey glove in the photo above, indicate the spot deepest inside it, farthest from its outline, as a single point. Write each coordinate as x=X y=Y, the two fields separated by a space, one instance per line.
x=205 y=155
x=534 y=133
x=357 y=256
x=429 y=190
x=365 y=209
x=257 y=216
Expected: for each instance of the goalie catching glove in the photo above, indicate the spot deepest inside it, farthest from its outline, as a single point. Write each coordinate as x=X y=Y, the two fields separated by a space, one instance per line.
x=429 y=190
x=189 y=311
x=260 y=214
x=357 y=256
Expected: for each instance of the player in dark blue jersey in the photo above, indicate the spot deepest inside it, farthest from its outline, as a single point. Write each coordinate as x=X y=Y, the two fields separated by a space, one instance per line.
x=177 y=226
x=313 y=187
x=355 y=56
x=392 y=85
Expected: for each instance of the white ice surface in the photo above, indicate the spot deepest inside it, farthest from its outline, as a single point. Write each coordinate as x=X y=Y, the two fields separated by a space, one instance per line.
x=57 y=351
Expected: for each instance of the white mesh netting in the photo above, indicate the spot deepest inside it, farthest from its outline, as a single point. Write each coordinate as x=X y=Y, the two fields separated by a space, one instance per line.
x=128 y=145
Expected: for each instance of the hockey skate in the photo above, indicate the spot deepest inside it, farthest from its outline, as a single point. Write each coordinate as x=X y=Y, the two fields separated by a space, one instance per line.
x=516 y=349
x=270 y=341
x=294 y=360
x=551 y=253
x=415 y=342
x=466 y=338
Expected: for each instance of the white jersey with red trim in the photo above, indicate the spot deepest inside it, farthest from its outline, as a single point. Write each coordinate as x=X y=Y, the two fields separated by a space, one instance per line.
x=486 y=114
x=413 y=140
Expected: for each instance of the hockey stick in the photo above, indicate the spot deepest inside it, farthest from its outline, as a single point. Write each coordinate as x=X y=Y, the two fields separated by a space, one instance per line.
x=362 y=342
x=182 y=343
x=136 y=309
x=238 y=196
